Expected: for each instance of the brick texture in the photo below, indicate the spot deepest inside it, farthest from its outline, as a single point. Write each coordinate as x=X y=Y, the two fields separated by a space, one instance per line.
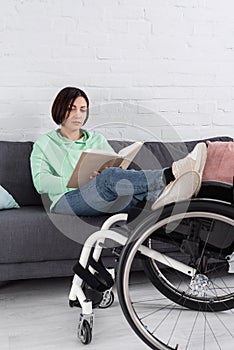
x=152 y=69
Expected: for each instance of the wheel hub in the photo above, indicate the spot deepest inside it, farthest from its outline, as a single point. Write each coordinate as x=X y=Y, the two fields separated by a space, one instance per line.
x=199 y=285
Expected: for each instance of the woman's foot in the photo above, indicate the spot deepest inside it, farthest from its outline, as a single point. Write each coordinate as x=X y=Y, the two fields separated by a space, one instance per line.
x=183 y=188
x=194 y=161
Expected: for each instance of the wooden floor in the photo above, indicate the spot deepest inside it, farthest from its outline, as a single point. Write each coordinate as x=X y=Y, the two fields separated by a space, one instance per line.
x=35 y=316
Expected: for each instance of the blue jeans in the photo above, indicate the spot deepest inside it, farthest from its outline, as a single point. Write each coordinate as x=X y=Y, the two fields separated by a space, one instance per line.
x=115 y=190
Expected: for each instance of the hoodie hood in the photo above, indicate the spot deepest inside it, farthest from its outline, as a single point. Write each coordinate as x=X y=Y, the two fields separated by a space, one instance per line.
x=59 y=139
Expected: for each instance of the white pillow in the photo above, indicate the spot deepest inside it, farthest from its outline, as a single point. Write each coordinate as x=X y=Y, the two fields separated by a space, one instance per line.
x=6 y=200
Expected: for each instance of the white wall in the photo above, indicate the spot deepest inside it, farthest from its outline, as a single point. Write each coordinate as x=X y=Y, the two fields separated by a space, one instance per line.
x=136 y=59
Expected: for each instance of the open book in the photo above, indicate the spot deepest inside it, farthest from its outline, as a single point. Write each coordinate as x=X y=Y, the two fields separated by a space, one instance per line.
x=96 y=160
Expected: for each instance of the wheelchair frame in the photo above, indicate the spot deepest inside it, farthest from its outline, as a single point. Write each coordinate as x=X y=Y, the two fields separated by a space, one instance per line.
x=97 y=240
x=94 y=245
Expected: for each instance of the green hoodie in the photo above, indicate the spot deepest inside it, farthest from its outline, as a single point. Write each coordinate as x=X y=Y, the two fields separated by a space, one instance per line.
x=54 y=157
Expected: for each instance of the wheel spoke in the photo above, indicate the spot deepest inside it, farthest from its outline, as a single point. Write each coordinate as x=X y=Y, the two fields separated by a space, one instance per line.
x=170 y=310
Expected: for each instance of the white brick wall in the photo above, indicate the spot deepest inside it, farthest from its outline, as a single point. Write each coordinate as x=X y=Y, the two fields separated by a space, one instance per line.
x=153 y=69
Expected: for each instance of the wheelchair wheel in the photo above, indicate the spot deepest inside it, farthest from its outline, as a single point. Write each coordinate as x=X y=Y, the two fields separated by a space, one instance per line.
x=85 y=333
x=169 y=309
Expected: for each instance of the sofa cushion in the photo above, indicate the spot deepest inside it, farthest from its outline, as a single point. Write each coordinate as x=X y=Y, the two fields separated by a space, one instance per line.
x=29 y=234
x=15 y=173
x=220 y=162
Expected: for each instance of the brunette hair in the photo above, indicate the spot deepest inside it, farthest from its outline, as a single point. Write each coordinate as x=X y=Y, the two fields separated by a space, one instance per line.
x=64 y=101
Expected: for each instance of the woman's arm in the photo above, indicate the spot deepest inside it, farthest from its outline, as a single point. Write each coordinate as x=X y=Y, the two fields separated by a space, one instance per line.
x=44 y=178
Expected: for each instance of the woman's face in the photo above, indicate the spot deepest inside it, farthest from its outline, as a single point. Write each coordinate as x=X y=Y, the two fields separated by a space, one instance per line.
x=76 y=115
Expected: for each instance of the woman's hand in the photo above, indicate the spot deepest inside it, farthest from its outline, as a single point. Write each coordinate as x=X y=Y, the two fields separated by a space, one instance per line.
x=95 y=173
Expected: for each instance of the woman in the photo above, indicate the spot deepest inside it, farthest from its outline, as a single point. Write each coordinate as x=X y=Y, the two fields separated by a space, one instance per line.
x=114 y=190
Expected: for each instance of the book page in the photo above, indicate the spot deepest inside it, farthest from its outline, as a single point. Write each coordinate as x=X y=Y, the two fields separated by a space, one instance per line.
x=129 y=153
x=96 y=160
x=88 y=163
x=101 y=151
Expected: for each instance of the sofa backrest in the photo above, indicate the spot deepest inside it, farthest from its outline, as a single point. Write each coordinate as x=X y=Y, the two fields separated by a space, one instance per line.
x=15 y=173
x=156 y=155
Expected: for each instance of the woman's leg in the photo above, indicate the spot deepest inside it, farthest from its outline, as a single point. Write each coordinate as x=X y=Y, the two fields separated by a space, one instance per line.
x=114 y=190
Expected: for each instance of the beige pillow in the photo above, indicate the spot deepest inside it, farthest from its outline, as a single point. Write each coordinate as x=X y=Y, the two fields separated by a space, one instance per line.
x=220 y=162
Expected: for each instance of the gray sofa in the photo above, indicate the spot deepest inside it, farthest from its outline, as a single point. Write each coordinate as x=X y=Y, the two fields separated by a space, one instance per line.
x=38 y=244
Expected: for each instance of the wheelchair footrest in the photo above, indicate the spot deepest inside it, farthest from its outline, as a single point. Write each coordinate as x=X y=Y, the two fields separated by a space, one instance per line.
x=100 y=281
x=91 y=295
x=74 y=303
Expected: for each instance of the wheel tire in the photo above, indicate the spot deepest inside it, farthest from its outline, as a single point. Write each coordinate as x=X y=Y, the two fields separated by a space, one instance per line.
x=173 y=294
x=130 y=252
x=85 y=333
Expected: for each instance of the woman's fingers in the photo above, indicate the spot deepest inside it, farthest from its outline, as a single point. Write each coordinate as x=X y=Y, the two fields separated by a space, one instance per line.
x=95 y=173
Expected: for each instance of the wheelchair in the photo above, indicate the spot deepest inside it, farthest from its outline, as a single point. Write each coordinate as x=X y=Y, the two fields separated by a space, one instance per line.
x=182 y=295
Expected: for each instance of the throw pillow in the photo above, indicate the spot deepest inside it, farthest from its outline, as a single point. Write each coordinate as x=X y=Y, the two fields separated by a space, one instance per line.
x=6 y=200
x=220 y=162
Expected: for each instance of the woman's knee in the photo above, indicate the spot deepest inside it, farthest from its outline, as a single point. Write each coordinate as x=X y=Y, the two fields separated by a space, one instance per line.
x=107 y=180
x=110 y=172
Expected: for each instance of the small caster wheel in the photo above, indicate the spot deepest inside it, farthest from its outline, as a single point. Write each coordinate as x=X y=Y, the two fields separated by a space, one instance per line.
x=107 y=300
x=85 y=333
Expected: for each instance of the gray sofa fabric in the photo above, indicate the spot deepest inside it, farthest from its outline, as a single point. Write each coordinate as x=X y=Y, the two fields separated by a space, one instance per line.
x=36 y=243
x=15 y=174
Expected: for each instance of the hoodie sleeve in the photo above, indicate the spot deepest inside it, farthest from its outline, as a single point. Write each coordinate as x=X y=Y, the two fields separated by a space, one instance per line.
x=104 y=144
x=44 y=178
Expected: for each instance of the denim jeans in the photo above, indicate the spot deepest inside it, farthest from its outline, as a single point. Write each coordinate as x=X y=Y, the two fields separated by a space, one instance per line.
x=115 y=190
